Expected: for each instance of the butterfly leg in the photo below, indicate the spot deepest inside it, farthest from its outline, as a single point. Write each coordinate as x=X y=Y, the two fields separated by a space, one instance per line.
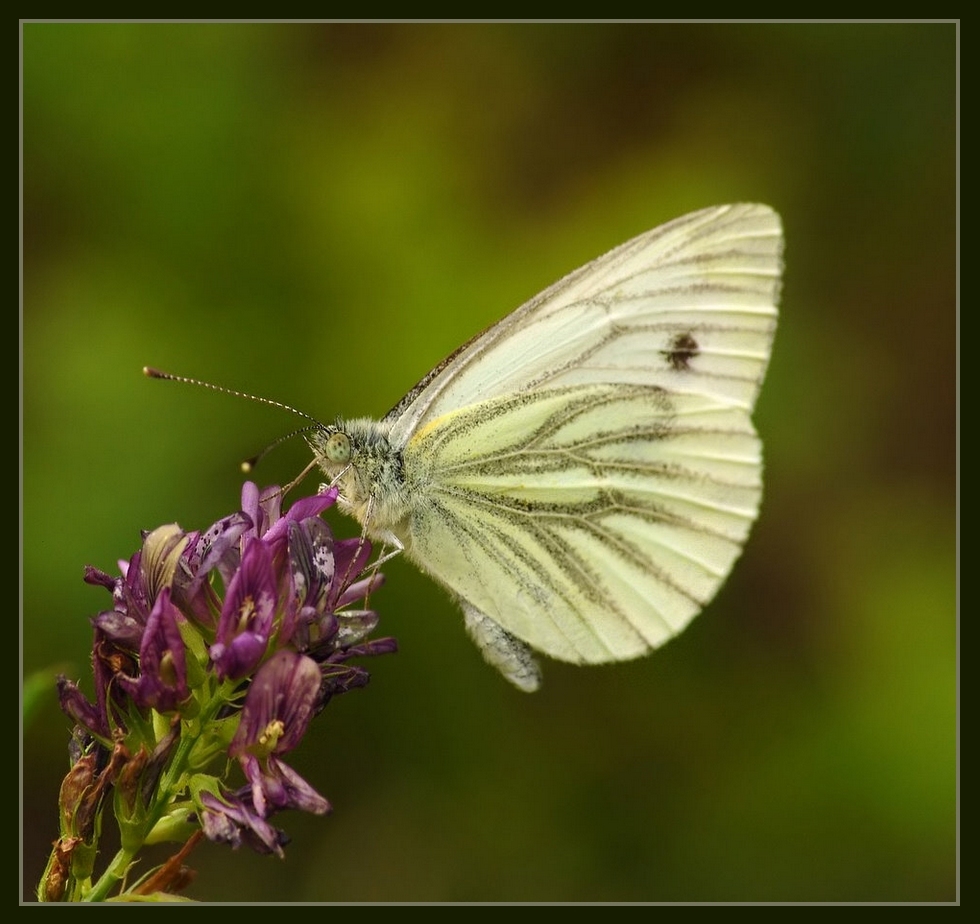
x=387 y=554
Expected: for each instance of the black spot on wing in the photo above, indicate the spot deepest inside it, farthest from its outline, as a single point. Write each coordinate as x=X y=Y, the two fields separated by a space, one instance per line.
x=681 y=350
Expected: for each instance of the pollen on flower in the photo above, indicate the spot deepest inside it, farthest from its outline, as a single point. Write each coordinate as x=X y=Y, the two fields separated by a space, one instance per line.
x=168 y=669
x=246 y=612
x=270 y=737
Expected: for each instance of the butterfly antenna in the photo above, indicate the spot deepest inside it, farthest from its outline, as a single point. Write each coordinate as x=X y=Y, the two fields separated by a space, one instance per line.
x=249 y=465
x=152 y=373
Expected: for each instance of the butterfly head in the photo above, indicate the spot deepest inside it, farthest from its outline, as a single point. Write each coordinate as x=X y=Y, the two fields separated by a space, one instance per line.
x=357 y=457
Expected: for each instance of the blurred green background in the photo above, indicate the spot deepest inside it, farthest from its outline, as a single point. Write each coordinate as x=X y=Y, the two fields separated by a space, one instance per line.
x=319 y=213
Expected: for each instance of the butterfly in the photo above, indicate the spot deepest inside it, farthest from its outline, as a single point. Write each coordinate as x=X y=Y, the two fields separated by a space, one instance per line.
x=582 y=475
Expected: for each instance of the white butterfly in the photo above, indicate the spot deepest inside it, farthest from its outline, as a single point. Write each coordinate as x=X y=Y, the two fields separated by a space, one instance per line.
x=582 y=475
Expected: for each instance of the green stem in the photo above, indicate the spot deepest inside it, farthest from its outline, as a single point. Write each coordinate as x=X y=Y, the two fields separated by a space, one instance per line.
x=167 y=787
x=113 y=874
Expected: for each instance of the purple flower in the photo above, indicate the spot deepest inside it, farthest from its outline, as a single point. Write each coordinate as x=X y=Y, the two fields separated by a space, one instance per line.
x=74 y=703
x=278 y=708
x=216 y=550
x=162 y=681
x=233 y=820
x=243 y=632
x=277 y=786
x=247 y=615
x=143 y=577
x=326 y=577
x=110 y=659
x=304 y=509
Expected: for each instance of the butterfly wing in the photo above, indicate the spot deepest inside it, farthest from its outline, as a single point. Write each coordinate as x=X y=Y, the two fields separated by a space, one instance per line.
x=600 y=522
x=586 y=470
x=689 y=306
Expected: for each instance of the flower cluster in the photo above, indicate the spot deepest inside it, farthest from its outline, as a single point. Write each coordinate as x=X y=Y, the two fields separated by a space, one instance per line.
x=219 y=649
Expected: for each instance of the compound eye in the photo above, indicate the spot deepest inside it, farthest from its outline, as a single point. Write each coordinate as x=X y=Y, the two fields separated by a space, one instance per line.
x=337 y=448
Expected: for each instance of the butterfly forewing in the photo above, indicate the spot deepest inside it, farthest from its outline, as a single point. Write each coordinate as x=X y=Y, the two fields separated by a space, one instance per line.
x=689 y=306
